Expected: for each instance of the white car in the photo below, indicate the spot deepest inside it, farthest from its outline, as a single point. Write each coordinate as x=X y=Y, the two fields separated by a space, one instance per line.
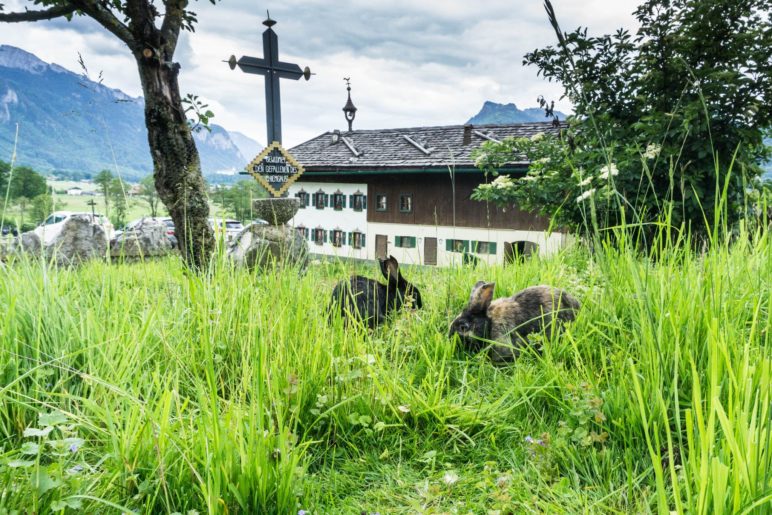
x=231 y=227
x=52 y=226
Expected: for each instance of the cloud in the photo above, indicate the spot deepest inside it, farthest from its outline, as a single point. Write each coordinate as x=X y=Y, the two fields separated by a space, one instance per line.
x=411 y=63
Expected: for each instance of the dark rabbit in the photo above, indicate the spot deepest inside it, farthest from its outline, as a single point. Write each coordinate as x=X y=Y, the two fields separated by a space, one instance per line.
x=366 y=299
x=507 y=321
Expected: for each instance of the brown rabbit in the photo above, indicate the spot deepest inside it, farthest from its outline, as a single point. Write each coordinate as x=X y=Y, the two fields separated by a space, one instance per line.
x=508 y=321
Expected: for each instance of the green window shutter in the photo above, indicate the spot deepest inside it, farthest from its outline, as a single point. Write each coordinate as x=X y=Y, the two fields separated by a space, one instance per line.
x=364 y=201
x=398 y=241
x=413 y=242
x=492 y=248
x=349 y=238
x=363 y=241
x=325 y=236
x=343 y=201
x=351 y=200
x=326 y=201
x=308 y=199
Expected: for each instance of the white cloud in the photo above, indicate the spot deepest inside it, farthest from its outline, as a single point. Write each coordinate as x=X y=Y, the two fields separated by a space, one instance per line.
x=411 y=63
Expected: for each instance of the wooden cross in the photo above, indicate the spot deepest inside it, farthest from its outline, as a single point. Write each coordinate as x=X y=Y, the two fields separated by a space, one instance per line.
x=272 y=69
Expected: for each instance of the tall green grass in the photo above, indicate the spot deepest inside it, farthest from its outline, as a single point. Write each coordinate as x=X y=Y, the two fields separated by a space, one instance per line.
x=155 y=390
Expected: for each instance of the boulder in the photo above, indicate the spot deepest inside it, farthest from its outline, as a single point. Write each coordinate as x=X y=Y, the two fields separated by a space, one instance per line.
x=79 y=240
x=260 y=245
x=27 y=243
x=146 y=239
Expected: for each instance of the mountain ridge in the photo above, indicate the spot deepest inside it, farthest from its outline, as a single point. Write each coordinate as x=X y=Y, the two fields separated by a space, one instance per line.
x=71 y=125
x=495 y=113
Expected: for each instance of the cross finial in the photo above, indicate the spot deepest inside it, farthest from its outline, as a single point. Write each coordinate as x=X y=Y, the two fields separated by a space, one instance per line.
x=269 y=22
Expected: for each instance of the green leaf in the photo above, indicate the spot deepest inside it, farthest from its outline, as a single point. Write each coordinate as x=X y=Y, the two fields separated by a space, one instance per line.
x=15 y=464
x=31 y=432
x=52 y=419
x=43 y=482
x=30 y=448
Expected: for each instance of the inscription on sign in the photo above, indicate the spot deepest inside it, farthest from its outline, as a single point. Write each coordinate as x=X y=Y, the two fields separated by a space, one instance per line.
x=275 y=169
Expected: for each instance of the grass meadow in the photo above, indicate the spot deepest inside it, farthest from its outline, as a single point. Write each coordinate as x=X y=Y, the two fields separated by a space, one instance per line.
x=144 y=388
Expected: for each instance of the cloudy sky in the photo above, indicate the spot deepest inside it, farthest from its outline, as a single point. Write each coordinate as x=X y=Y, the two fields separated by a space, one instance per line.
x=411 y=62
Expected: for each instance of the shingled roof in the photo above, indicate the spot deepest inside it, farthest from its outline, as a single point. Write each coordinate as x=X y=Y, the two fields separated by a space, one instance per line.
x=417 y=148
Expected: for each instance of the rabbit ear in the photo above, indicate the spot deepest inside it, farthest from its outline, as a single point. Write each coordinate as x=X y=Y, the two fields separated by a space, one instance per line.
x=481 y=297
x=390 y=269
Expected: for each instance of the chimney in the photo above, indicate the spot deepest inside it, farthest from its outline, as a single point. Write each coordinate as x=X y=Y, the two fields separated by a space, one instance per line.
x=467 y=134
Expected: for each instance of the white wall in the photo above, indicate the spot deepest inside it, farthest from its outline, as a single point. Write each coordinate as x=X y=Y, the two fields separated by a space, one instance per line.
x=548 y=243
x=347 y=220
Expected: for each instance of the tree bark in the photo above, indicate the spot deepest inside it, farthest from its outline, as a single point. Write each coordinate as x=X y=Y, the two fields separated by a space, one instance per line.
x=176 y=164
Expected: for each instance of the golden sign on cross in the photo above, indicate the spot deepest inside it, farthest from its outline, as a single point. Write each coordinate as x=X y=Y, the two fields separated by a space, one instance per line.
x=275 y=169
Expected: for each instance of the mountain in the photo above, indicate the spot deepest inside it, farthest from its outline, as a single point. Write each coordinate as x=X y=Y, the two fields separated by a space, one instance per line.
x=248 y=147
x=493 y=113
x=71 y=125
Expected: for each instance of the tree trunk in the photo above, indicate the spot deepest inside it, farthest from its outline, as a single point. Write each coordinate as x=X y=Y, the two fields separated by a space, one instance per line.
x=176 y=164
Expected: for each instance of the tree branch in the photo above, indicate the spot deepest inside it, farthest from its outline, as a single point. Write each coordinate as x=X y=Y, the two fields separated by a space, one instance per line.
x=170 y=29
x=106 y=18
x=48 y=14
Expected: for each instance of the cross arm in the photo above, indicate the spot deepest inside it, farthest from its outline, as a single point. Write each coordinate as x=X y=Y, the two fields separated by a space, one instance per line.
x=260 y=67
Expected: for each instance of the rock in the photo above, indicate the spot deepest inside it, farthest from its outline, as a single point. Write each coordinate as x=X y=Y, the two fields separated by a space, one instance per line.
x=260 y=245
x=79 y=240
x=276 y=211
x=147 y=239
x=27 y=243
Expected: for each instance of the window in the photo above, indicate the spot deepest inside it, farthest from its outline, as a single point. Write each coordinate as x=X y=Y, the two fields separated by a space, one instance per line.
x=457 y=245
x=356 y=239
x=405 y=242
x=338 y=201
x=484 y=247
x=320 y=236
x=380 y=202
x=337 y=238
x=358 y=201
x=406 y=203
x=303 y=197
x=320 y=200
x=302 y=231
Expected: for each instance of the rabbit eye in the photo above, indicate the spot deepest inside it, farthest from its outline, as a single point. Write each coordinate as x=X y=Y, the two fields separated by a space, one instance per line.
x=463 y=326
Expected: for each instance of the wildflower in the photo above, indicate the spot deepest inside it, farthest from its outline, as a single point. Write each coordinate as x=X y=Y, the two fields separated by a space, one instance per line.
x=74 y=447
x=302 y=512
x=450 y=478
x=502 y=181
x=584 y=196
x=586 y=181
x=609 y=170
x=652 y=151
x=75 y=470
x=404 y=409
x=537 y=137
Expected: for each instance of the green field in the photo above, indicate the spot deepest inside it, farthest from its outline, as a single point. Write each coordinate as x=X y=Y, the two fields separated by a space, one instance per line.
x=142 y=387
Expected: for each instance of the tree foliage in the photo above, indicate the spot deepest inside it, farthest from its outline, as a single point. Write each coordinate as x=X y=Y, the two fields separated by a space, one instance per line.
x=149 y=194
x=237 y=199
x=661 y=118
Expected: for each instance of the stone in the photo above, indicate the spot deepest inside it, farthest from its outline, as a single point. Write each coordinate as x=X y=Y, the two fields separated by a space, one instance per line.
x=276 y=211
x=27 y=243
x=148 y=238
x=260 y=245
x=79 y=240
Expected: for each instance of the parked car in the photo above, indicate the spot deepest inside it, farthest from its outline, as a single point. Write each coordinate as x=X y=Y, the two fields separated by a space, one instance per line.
x=231 y=228
x=52 y=226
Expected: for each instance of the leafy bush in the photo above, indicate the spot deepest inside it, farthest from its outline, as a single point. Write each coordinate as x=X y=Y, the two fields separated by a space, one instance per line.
x=668 y=123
